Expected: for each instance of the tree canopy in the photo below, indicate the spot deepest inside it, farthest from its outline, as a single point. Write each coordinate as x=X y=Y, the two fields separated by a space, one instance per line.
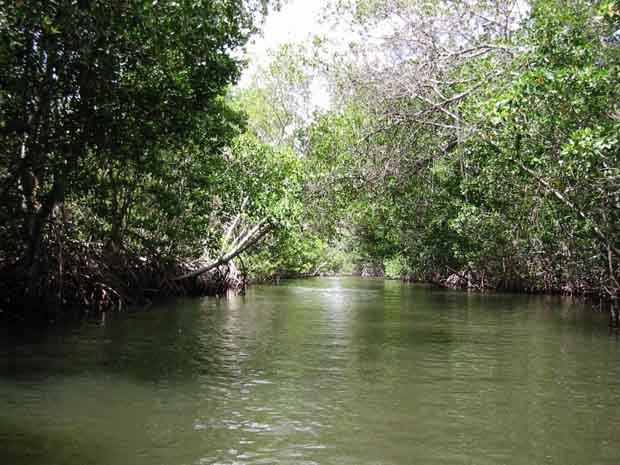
x=468 y=143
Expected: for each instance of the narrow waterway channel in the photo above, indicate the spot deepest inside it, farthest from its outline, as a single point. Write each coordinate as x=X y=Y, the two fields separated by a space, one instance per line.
x=327 y=371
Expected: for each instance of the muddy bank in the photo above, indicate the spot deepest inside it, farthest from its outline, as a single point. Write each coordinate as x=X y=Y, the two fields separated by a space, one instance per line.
x=90 y=278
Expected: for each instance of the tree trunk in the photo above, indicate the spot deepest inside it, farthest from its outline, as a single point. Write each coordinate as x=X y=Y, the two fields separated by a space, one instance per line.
x=38 y=222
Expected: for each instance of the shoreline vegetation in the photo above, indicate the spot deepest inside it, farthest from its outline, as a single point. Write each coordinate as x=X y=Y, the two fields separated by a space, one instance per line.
x=471 y=145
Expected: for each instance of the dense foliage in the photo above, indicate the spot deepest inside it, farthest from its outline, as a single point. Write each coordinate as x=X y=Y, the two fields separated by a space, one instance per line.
x=115 y=133
x=490 y=147
x=468 y=143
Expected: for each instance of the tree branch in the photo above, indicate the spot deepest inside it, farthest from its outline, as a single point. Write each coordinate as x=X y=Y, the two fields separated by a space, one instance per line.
x=257 y=233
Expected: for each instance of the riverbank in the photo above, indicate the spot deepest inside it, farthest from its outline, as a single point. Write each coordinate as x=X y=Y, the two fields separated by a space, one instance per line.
x=80 y=278
x=479 y=281
x=91 y=281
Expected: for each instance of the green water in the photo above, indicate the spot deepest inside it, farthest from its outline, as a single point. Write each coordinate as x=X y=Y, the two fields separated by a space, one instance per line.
x=329 y=371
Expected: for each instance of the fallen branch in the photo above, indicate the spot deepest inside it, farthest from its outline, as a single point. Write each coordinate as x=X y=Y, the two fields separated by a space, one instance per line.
x=250 y=239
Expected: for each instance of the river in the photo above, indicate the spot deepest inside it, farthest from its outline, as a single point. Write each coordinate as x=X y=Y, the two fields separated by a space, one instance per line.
x=339 y=371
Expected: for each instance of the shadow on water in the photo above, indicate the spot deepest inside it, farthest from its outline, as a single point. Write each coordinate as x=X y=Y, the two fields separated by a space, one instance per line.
x=26 y=443
x=164 y=342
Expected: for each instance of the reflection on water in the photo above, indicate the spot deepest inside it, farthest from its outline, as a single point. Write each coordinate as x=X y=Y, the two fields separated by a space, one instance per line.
x=329 y=371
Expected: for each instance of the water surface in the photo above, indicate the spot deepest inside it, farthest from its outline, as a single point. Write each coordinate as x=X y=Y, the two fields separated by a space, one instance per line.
x=328 y=371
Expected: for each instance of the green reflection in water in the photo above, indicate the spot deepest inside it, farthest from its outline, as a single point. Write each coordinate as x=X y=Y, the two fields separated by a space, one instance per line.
x=329 y=371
